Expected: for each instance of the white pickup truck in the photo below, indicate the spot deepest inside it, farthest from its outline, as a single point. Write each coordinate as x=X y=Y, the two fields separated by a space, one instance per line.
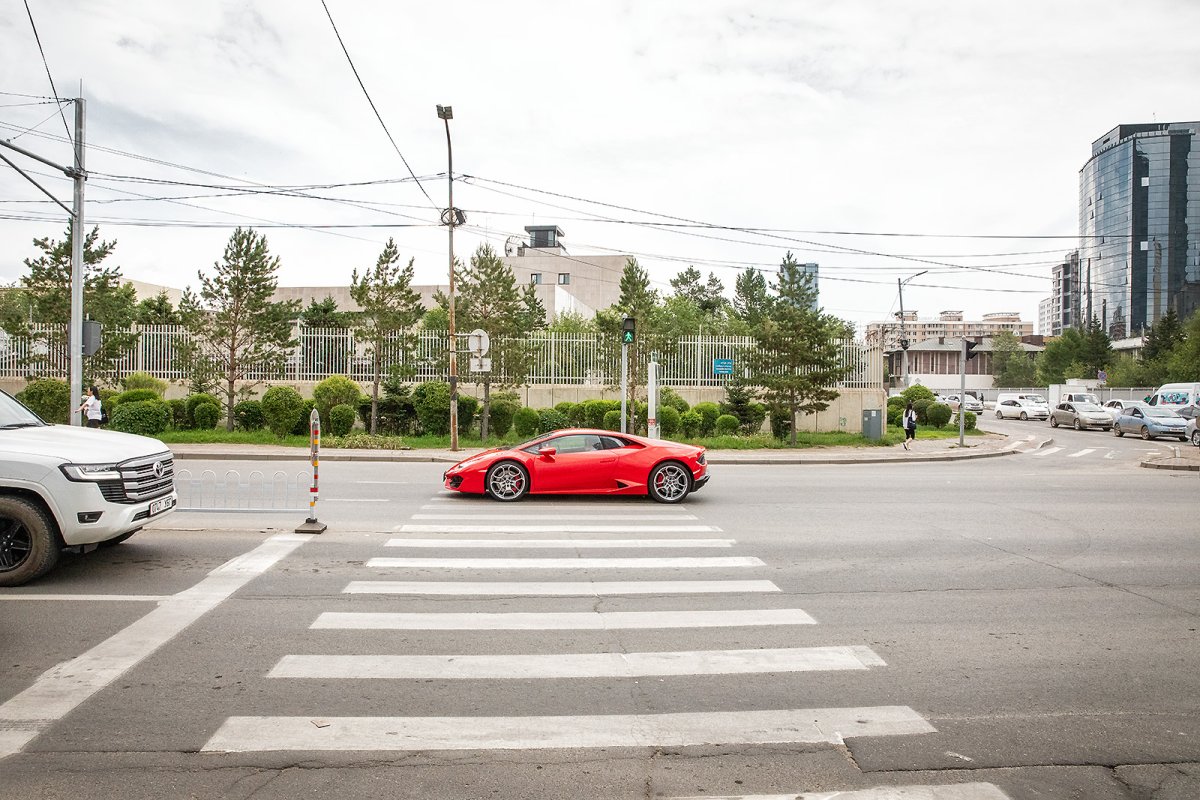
x=63 y=487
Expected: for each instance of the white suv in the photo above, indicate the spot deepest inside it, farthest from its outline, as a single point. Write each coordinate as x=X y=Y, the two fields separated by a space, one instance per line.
x=67 y=487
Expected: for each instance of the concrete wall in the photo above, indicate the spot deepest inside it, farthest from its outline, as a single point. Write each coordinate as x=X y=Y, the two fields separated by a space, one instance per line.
x=844 y=414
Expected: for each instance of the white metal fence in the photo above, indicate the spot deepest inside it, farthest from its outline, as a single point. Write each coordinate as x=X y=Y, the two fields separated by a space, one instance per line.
x=553 y=358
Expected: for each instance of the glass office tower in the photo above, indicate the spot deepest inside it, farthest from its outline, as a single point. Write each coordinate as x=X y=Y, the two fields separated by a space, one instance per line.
x=1139 y=226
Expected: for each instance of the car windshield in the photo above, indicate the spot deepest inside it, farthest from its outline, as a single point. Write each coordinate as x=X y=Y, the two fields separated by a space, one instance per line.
x=1152 y=411
x=15 y=415
x=1037 y=399
x=1091 y=407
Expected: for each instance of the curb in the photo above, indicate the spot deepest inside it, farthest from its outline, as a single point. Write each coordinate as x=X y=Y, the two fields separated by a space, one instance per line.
x=1175 y=462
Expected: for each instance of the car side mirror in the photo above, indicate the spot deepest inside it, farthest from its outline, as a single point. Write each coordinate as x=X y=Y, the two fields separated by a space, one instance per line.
x=546 y=452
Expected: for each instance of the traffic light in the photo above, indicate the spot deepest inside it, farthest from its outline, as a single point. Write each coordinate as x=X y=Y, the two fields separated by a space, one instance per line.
x=970 y=347
x=627 y=328
x=904 y=344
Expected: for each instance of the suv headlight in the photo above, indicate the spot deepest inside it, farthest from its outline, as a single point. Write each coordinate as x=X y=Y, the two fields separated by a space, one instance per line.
x=90 y=472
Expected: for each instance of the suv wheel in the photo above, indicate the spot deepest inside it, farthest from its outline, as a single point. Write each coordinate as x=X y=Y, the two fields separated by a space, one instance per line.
x=29 y=545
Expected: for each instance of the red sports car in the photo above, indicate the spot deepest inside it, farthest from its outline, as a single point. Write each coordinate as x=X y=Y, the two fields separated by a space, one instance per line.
x=579 y=461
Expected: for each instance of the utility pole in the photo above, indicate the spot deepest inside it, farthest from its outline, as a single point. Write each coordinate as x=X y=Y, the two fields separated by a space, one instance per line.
x=903 y=337
x=446 y=113
x=77 y=174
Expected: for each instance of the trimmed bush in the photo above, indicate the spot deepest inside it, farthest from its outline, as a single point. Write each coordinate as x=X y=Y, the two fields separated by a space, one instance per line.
x=303 y=426
x=49 y=399
x=612 y=420
x=431 y=400
x=668 y=421
x=500 y=421
x=754 y=417
x=341 y=419
x=578 y=416
x=914 y=393
x=550 y=419
x=921 y=406
x=938 y=414
x=282 y=407
x=335 y=390
x=179 y=417
x=196 y=399
x=727 y=425
x=968 y=421
x=708 y=417
x=525 y=421
x=895 y=415
x=593 y=412
x=144 y=380
x=205 y=416
x=134 y=395
x=566 y=407
x=468 y=407
x=668 y=397
x=248 y=416
x=396 y=415
x=144 y=417
x=689 y=423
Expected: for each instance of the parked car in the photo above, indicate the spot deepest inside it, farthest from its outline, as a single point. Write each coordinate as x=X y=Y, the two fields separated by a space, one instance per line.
x=68 y=487
x=1021 y=409
x=1080 y=416
x=971 y=403
x=1193 y=434
x=1117 y=407
x=582 y=461
x=1151 y=422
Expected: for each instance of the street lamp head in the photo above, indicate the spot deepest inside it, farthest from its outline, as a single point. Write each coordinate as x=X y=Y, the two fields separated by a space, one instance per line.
x=445 y=112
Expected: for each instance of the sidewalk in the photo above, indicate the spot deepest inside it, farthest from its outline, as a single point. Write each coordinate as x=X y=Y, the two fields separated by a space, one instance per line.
x=989 y=446
x=1186 y=458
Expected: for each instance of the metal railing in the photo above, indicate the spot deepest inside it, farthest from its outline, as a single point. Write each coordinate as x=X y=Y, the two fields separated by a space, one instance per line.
x=545 y=357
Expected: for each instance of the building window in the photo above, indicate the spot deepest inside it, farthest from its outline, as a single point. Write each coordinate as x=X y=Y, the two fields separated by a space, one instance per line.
x=564 y=278
x=535 y=278
x=1145 y=181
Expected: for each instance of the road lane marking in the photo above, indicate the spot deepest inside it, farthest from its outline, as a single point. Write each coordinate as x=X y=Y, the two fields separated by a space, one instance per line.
x=558 y=589
x=1082 y=452
x=356 y=499
x=558 y=620
x=90 y=598
x=62 y=688
x=700 y=562
x=568 y=528
x=806 y=725
x=546 y=544
x=558 y=517
x=953 y=791
x=579 y=665
x=1049 y=451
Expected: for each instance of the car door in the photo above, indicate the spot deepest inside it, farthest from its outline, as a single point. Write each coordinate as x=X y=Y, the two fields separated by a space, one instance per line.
x=579 y=464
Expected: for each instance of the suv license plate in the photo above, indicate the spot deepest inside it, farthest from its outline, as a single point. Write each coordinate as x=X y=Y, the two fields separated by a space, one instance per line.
x=160 y=505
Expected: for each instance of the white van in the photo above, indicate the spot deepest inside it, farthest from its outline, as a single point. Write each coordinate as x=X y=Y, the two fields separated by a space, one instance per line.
x=1182 y=398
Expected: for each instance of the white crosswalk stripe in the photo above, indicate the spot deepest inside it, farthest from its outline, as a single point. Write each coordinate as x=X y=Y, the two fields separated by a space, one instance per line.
x=716 y=562
x=582 y=516
x=558 y=620
x=557 y=589
x=553 y=544
x=954 y=791
x=1047 y=451
x=1082 y=452
x=568 y=528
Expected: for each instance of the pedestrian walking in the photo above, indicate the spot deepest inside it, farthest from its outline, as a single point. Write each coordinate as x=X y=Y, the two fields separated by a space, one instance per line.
x=910 y=425
x=91 y=407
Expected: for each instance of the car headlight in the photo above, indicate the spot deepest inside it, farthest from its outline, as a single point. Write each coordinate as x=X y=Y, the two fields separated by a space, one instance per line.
x=90 y=472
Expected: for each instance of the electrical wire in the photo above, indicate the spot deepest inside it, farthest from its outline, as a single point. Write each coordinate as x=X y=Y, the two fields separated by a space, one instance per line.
x=49 y=77
x=367 y=94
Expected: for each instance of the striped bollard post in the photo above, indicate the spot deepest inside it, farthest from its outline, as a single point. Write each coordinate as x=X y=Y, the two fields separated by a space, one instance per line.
x=311 y=525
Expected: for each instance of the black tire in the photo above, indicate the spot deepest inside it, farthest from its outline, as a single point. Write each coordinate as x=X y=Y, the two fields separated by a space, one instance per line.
x=116 y=540
x=1053 y=421
x=1196 y=437
x=506 y=481
x=1024 y=415
x=1075 y=424
x=999 y=414
x=1117 y=431
x=29 y=544
x=669 y=482
x=1145 y=433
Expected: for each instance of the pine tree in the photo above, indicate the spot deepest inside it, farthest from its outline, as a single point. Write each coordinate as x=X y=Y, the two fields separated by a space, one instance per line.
x=750 y=298
x=798 y=359
x=235 y=327
x=156 y=310
x=390 y=309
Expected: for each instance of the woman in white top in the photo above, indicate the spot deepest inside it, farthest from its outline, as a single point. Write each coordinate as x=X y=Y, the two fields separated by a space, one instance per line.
x=910 y=424
x=91 y=404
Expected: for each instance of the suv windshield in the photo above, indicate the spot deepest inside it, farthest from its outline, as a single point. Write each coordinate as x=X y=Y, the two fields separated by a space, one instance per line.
x=15 y=415
x=1036 y=399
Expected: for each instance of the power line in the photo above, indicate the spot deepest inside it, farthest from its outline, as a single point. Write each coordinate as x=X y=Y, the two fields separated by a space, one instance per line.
x=50 y=77
x=372 y=103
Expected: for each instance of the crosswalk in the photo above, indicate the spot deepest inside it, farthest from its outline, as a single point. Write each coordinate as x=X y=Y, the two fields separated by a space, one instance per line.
x=1028 y=446
x=445 y=538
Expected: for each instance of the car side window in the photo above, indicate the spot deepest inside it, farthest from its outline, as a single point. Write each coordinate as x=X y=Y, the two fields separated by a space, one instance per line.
x=1135 y=412
x=611 y=442
x=573 y=443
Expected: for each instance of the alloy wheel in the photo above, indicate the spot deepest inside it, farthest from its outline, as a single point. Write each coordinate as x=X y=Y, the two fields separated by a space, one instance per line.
x=16 y=543
x=507 y=481
x=670 y=482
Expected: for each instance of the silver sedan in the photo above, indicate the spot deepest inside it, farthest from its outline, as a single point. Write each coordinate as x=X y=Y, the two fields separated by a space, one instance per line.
x=1080 y=416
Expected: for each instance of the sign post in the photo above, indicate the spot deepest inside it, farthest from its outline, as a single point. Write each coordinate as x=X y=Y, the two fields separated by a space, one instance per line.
x=311 y=525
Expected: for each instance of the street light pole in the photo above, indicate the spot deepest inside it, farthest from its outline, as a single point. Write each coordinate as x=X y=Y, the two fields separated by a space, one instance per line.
x=446 y=113
x=903 y=337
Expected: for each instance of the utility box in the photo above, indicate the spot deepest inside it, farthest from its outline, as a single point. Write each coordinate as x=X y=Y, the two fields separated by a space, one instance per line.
x=872 y=423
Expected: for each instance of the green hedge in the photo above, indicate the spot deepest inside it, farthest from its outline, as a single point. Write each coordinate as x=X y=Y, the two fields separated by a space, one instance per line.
x=205 y=416
x=49 y=399
x=550 y=419
x=282 y=407
x=708 y=417
x=341 y=419
x=937 y=414
x=525 y=421
x=144 y=417
x=668 y=421
x=196 y=399
x=690 y=423
x=727 y=425
x=612 y=420
x=500 y=420
x=248 y=416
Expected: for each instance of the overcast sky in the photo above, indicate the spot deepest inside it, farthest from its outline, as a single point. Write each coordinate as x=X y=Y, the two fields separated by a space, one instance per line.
x=956 y=128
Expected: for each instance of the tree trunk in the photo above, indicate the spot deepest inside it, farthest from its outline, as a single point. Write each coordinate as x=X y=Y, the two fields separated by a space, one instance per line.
x=229 y=406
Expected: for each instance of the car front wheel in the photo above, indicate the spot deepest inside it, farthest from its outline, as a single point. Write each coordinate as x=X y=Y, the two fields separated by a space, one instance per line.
x=1076 y=425
x=1117 y=431
x=670 y=482
x=507 y=481
x=29 y=546
x=999 y=415
x=1145 y=433
x=1053 y=422
x=1024 y=415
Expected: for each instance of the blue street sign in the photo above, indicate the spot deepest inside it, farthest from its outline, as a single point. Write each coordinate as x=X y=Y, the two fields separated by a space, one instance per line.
x=722 y=366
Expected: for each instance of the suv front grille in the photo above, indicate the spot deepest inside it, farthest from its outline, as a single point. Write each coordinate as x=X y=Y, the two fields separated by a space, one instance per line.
x=139 y=481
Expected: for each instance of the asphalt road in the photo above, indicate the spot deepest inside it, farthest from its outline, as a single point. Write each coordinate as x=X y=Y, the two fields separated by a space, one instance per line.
x=1020 y=627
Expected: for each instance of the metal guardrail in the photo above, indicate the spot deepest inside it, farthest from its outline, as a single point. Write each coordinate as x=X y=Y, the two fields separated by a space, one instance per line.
x=254 y=493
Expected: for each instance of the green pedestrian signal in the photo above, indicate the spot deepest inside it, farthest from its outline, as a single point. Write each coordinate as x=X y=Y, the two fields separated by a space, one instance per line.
x=627 y=328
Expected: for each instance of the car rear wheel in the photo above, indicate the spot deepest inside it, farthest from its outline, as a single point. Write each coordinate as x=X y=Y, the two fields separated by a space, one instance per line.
x=999 y=414
x=29 y=546
x=1117 y=431
x=507 y=481
x=1024 y=415
x=1196 y=438
x=1145 y=433
x=1076 y=425
x=670 y=482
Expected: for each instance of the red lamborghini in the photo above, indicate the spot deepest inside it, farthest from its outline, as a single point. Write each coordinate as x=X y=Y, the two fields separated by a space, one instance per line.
x=578 y=461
